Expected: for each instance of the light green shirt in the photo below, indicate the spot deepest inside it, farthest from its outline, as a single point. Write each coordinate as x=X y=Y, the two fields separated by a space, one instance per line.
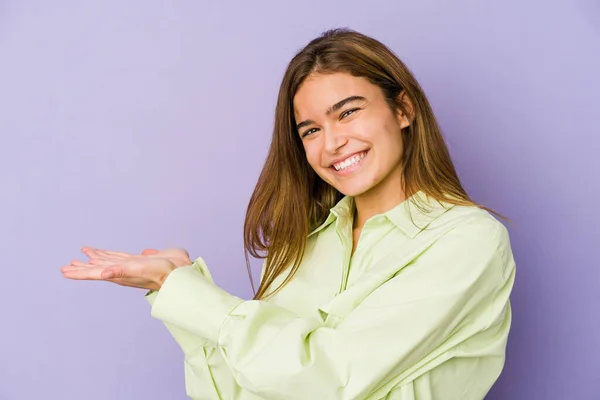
x=419 y=311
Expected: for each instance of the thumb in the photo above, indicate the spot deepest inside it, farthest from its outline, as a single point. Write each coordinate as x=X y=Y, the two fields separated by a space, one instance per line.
x=149 y=252
x=111 y=273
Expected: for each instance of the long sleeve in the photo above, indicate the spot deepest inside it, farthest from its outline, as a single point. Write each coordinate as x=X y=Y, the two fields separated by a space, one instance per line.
x=431 y=309
x=204 y=376
x=188 y=341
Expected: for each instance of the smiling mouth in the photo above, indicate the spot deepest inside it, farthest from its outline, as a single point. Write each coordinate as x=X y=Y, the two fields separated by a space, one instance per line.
x=349 y=162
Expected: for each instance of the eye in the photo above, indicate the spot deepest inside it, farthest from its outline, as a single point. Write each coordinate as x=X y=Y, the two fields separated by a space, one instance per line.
x=349 y=112
x=309 y=132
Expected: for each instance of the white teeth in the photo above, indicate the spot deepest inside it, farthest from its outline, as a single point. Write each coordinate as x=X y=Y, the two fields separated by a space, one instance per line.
x=349 y=161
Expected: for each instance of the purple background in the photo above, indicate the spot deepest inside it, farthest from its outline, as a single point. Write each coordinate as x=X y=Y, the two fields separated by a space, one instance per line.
x=132 y=124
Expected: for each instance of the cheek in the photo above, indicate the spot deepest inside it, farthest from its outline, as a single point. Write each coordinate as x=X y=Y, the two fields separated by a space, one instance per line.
x=312 y=156
x=374 y=179
x=391 y=141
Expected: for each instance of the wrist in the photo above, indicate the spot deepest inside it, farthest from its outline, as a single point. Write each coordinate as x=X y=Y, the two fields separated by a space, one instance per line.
x=162 y=277
x=183 y=262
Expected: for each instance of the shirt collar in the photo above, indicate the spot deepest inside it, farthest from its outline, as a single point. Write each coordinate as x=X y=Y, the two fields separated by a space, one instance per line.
x=411 y=216
x=343 y=209
x=416 y=213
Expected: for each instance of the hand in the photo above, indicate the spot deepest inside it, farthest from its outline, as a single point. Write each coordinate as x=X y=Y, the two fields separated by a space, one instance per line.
x=141 y=271
x=176 y=255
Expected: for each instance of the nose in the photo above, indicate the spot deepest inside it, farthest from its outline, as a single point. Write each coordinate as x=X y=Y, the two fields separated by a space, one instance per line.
x=334 y=140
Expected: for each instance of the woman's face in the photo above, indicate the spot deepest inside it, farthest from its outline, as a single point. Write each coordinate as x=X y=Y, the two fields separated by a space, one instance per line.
x=351 y=136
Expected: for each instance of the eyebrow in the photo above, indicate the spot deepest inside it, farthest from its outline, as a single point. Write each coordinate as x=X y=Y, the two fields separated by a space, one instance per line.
x=331 y=109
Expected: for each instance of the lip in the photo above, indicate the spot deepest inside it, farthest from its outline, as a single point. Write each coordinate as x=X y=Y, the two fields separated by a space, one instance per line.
x=346 y=157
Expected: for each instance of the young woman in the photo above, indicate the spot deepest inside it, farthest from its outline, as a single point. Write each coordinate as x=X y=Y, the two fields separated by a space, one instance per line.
x=382 y=278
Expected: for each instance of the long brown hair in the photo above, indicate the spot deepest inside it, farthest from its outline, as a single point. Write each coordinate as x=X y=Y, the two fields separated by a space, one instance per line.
x=290 y=199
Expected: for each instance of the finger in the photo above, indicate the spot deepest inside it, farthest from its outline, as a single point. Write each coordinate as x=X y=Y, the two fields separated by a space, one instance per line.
x=95 y=253
x=90 y=252
x=149 y=252
x=105 y=261
x=78 y=263
x=82 y=273
x=116 y=253
x=95 y=262
x=102 y=258
x=93 y=273
x=107 y=253
x=115 y=272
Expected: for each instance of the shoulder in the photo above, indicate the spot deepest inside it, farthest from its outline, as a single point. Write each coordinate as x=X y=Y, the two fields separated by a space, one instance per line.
x=473 y=233
x=472 y=225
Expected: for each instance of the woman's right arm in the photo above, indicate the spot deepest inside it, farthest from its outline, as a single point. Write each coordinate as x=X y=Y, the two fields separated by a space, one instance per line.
x=199 y=355
x=206 y=373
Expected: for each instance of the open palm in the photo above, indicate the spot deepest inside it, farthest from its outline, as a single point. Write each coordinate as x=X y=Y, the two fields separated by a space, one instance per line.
x=147 y=271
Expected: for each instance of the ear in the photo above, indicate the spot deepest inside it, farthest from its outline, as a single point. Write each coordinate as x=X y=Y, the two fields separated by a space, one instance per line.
x=405 y=117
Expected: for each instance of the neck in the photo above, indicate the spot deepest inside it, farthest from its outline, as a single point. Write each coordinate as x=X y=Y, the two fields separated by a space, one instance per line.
x=377 y=200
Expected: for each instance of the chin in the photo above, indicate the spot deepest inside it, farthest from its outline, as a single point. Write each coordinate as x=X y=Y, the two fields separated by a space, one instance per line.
x=352 y=190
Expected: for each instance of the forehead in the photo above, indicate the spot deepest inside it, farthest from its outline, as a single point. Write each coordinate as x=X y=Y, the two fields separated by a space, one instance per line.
x=320 y=91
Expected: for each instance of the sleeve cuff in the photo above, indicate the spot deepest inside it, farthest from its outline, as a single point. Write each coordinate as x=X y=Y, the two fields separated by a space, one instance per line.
x=151 y=296
x=189 y=300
